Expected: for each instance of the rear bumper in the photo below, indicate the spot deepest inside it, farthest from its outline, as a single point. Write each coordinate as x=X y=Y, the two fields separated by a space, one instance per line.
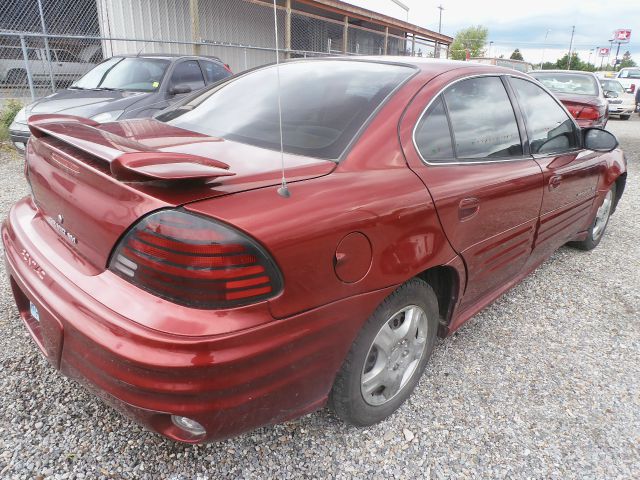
x=622 y=109
x=229 y=383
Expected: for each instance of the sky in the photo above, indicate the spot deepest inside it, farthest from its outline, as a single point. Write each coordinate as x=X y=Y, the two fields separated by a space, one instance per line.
x=524 y=25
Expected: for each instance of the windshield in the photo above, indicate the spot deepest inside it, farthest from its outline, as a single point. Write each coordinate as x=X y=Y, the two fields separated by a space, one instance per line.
x=118 y=73
x=324 y=104
x=612 y=86
x=568 y=82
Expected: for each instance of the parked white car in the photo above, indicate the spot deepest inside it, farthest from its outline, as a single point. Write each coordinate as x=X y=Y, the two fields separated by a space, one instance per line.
x=629 y=78
x=621 y=103
x=66 y=67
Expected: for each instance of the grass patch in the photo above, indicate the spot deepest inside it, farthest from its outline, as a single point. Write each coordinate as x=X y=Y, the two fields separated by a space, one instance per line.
x=7 y=114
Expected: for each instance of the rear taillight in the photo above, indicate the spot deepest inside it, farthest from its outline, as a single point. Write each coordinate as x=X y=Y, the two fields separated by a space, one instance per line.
x=227 y=68
x=195 y=261
x=633 y=88
x=588 y=113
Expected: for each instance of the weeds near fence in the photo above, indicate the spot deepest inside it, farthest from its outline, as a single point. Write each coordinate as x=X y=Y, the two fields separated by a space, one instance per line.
x=9 y=110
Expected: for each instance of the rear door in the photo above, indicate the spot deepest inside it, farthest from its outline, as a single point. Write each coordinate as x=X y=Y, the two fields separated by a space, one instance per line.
x=570 y=173
x=468 y=151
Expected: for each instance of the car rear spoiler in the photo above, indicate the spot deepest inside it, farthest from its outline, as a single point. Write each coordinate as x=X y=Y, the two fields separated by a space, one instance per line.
x=128 y=160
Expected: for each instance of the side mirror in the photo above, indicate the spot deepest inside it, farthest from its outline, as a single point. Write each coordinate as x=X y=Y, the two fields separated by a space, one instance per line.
x=599 y=140
x=179 y=89
x=610 y=94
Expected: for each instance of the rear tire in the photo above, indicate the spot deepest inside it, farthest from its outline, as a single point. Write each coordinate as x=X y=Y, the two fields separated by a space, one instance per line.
x=388 y=357
x=599 y=224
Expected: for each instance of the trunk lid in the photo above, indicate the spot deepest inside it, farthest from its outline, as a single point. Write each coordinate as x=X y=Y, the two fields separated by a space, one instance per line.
x=91 y=182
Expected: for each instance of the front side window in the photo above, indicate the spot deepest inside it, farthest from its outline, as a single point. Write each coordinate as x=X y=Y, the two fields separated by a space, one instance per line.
x=324 y=105
x=432 y=135
x=188 y=73
x=549 y=127
x=482 y=118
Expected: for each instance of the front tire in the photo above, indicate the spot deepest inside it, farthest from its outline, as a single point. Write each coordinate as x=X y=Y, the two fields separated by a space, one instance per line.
x=388 y=357
x=625 y=117
x=599 y=224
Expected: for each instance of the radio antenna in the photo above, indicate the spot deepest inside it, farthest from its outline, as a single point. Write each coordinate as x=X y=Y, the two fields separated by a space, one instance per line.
x=283 y=191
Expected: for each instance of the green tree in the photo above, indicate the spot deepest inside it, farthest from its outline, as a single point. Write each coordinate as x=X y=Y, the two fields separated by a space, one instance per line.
x=549 y=65
x=472 y=39
x=516 y=55
x=627 y=61
x=576 y=63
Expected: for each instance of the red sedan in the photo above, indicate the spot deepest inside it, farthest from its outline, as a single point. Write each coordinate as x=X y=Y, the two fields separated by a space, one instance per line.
x=157 y=262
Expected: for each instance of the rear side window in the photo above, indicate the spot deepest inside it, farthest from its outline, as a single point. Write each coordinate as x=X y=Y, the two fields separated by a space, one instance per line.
x=482 y=118
x=214 y=71
x=432 y=135
x=549 y=127
x=188 y=73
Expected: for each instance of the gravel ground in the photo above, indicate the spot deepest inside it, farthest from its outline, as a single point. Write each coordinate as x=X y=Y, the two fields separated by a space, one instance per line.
x=543 y=384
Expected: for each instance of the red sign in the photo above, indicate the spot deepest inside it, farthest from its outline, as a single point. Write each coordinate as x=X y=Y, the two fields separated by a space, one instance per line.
x=603 y=52
x=622 y=36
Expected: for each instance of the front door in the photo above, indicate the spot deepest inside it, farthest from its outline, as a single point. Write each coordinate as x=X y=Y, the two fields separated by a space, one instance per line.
x=570 y=173
x=468 y=151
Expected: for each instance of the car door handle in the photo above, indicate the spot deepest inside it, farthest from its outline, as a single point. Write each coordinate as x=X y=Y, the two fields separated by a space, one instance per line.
x=468 y=208
x=554 y=182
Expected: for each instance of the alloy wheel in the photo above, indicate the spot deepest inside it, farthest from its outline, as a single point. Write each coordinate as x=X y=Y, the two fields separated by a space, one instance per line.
x=394 y=355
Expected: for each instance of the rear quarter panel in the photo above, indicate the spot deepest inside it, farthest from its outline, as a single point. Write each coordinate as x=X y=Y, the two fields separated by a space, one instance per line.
x=372 y=191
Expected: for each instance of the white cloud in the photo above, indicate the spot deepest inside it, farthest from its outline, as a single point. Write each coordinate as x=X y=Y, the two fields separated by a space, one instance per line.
x=523 y=25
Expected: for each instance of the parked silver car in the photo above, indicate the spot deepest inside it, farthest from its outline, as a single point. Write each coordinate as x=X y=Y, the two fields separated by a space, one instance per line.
x=123 y=87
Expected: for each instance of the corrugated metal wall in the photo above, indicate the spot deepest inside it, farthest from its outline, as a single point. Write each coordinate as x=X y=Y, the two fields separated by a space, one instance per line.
x=222 y=21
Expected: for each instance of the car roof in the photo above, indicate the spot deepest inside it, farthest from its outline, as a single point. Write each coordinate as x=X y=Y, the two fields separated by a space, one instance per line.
x=428 y=65
x=572 y=72
x=169 y=56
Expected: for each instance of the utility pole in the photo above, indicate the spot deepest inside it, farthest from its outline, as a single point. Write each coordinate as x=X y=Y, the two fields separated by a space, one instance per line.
x=441 y=8
x=544 y=46
x=615 y=63
x=573 y=29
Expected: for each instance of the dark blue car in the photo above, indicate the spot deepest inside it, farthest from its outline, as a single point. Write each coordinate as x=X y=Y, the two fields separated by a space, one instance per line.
x=125 y=87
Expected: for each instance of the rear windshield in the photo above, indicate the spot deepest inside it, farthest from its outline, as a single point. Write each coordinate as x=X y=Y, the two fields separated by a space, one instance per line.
x=568 y=83
x=612 y=86
x=324 y=104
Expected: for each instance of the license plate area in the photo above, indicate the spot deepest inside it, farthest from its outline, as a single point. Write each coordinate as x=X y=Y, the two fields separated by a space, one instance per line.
x=45 y=330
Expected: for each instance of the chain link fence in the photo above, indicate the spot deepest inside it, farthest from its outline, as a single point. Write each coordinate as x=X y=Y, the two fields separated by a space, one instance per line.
x=46 y=45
